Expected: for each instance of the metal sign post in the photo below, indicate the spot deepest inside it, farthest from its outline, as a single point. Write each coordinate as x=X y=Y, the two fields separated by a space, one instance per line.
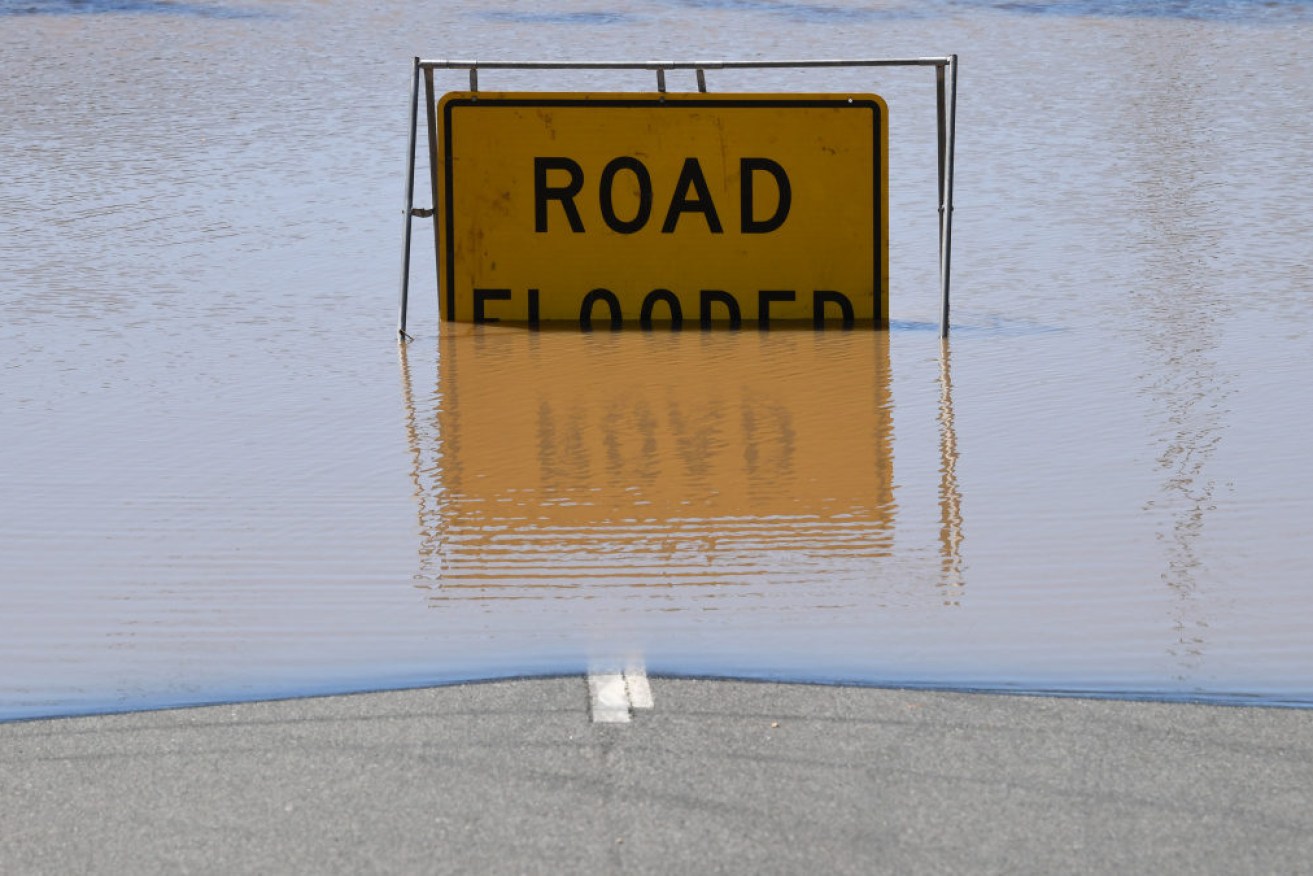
x=947 y=106
x=946 y=95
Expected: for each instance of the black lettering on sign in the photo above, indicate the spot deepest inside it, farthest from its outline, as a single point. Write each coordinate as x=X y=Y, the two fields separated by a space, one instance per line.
x=715 y=296
x=533 y=308
x=586 y=308
x=821 y=298
x=764 y=299
x=691 y=177
x=542 y=192
x=749 y=166
x=676 y=312
x=482 y=296
x=607 y=197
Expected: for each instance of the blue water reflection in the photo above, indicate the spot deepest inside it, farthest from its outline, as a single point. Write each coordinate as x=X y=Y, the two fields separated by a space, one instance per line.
x=896 y=10
x=1199 y=10
x=518 y=16
x=130 y=7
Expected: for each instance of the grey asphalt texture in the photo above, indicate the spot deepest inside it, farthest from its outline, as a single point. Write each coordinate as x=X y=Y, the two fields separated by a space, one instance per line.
x=511 y=777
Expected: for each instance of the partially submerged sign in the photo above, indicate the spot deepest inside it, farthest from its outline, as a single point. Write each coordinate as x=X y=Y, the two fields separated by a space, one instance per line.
x=665 y=209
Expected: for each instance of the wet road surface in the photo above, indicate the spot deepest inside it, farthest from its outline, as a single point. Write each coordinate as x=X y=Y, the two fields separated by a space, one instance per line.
x=718 y=777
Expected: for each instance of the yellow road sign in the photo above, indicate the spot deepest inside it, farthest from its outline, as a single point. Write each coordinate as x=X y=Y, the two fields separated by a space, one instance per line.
x=665 y=209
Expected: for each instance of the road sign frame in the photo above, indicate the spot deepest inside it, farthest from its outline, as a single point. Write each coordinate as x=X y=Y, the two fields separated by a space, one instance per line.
x=946 y=97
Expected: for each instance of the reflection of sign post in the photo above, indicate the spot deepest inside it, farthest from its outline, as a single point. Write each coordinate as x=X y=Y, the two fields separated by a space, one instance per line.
x=665 y=209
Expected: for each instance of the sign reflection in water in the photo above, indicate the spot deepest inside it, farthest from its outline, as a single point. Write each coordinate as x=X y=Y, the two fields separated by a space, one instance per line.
x=676 y=467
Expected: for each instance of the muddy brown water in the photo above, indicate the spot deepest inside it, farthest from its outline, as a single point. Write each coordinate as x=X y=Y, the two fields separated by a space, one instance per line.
x=220 y=479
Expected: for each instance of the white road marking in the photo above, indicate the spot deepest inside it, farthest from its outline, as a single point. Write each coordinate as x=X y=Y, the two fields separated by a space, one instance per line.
x=640 y=691
x=613 y=694
x=609 y=698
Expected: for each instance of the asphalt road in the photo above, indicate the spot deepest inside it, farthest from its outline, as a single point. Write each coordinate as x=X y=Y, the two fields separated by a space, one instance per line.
x=512 y=777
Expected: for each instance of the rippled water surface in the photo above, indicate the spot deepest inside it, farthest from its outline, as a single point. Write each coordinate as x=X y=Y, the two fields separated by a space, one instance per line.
x=221 y=479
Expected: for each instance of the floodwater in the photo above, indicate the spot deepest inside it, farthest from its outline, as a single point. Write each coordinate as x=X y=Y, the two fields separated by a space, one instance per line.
x=220 y=479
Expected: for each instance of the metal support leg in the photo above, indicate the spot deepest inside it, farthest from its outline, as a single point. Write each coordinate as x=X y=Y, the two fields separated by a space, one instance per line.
x=941 y=113
x=410 y=204
x=947 y=112
x=432 y=108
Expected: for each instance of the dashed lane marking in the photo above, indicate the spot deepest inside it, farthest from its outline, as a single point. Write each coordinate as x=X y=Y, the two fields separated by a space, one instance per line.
x=640 y=691
x=613 y=695
x=609 y=698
